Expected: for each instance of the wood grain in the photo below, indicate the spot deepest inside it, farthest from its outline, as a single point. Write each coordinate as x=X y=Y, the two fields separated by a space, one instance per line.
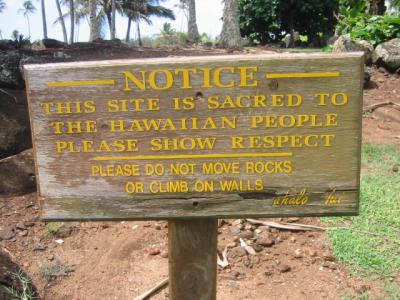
x=192 y=259
x=68 y=190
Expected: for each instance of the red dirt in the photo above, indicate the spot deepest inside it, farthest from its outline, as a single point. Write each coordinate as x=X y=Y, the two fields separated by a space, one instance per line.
x=112 y=260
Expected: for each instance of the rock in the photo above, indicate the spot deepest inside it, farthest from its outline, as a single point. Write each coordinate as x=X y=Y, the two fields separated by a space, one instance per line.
x=23 y=233
x=38 y=46
x=257 y=247
x=266 y=242
x=20 y=226
x=247 y=263
x=382 y=70
x=7 y=233
x=298 y=253
x=234 y=230
x=246 y=234
x=164 y=254
x=396 y=168
x=15 y=134
x=63 y=232
x=239 y=251
x=61 y=55
x=154 y=251
x=50 y=257
x=328 y=257
x=52 y=44
x=388 y=55
x=231 y=245
x=10 y=75
x=346 y=44
x=387 y=114
x=235 y=273
x=279 y=239
x=17 y=174
x=367 y=77
x=268 y=272
x=7 y=45
x=237 y=222
x=29 y=224
x=284 y=268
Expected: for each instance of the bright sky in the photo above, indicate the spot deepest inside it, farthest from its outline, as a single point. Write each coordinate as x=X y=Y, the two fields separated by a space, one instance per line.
x=209 y=13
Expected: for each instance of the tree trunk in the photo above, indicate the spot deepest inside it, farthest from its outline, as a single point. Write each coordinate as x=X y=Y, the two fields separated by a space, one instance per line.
x=72 y=15
x=29 y=27
x=128 y=30
x=112 y=19
x=94 y=23
x=60 y=15
x=193 y=32
x=138 y=33
x=109 y=22
x=230 y=34
x=377 y=7
x=44 y=20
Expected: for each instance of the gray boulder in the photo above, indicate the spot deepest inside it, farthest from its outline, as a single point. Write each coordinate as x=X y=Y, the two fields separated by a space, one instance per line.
x=53 y=44
x=346 y=44
x=17 y=174
x=15 y=134
x=387 y=55
x=10 y=75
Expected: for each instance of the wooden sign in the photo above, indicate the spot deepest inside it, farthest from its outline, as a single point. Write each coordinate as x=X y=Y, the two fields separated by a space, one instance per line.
x=228 y=136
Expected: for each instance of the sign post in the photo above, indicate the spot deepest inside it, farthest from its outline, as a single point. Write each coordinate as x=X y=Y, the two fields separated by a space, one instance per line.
x=192 y=250
x=193 y=139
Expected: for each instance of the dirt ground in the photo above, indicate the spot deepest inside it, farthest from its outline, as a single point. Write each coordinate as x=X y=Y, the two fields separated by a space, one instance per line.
x=120 y=260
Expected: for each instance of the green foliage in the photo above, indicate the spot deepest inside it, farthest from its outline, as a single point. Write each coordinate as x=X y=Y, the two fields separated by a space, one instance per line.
x=207 y=40
x=356 y=21
x=268 y=21
x=19 y=39
x=375 y=29
x=53 y=227
x=27 y=292
x=259 y=20
x=370 y=242
x=327 y=48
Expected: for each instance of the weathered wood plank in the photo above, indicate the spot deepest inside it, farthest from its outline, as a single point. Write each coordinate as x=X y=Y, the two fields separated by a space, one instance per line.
x=252 y=128
x=192 y=259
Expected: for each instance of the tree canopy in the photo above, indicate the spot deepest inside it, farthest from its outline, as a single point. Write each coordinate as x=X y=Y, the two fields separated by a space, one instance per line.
x=269 y=20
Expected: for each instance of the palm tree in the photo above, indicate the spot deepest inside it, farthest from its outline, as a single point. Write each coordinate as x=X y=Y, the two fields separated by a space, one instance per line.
x=94 y=23
x=27 y=9
x=193 y=32
x=72 y=17
x=143 y=10
x=108 y=9
x=44 y=19
x=2 y=6
x=60 y=17
x=112 y=27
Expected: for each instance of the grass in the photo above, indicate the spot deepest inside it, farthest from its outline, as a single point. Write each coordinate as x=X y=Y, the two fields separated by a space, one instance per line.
x=27 y=292
x=53 y=227
x=51 y=271
x=371 y=244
